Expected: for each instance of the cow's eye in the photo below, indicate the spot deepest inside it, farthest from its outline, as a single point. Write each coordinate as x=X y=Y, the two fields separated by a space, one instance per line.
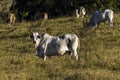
x=31 y=36
x=38 y=36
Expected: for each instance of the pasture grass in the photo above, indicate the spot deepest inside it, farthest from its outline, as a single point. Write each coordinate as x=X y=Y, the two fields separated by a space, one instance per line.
x=99 y=54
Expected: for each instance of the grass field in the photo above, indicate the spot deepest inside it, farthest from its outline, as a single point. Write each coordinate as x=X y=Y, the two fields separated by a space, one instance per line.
x=99 y=54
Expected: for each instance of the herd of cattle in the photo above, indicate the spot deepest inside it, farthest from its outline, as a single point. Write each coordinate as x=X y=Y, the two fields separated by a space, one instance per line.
x=97 y=16
x=47 y=45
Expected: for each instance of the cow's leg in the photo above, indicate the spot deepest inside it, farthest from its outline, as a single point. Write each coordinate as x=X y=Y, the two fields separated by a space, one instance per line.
x=96 y=24
x=111 y=23
x=45 y=57
x=82 y=15
x=45 y=51
x=13 y=22
x=71 y=55
x=10 y=21
x=74 y=54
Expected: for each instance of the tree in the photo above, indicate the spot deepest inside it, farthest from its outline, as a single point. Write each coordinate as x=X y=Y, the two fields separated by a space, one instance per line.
x=27 y=9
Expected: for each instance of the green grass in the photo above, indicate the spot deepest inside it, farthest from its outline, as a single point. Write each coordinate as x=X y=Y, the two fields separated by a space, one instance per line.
x=99 y=57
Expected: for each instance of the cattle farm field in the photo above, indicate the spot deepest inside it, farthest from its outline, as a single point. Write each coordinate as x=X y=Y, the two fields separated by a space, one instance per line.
x=99 y=54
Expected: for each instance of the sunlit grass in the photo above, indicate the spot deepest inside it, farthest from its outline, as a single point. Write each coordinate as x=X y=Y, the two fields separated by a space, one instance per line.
x=99 y=57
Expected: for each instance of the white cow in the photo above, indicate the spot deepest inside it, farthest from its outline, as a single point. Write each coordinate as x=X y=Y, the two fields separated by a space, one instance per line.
x=77 y=13
x=47 y=45
x=101 y=16
x=81 y=12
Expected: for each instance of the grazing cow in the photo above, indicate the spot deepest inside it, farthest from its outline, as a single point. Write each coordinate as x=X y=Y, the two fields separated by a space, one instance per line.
x=101 y=16
x=81 y=12
x=47 y=45
x=12 y=18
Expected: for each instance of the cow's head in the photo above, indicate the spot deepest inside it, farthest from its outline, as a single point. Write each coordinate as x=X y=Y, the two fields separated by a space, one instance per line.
x=35 y=38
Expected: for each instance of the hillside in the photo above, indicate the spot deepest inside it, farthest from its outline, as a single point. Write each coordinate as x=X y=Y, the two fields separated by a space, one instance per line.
x=99 y=57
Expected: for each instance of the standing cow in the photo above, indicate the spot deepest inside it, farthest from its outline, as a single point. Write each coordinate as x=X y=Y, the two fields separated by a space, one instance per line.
x=101 y=16
x=12 y=18
x=45 y=16
x=81 y=12
x=47 y=45
x=77 y=13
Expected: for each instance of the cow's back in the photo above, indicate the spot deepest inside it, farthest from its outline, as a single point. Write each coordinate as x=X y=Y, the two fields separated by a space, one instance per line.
x=94 y=18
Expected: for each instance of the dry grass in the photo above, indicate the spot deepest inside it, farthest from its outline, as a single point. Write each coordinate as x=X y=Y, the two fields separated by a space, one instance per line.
x=99 y=54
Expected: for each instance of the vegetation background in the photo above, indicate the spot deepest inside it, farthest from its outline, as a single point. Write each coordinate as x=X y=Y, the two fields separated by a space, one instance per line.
x=33 y=10
x=99 y=54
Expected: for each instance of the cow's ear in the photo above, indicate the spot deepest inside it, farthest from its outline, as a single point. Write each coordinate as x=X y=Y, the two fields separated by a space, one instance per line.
x=38 y=36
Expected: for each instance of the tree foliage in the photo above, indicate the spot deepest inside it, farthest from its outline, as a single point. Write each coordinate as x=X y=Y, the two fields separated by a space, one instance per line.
x=55 y=8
